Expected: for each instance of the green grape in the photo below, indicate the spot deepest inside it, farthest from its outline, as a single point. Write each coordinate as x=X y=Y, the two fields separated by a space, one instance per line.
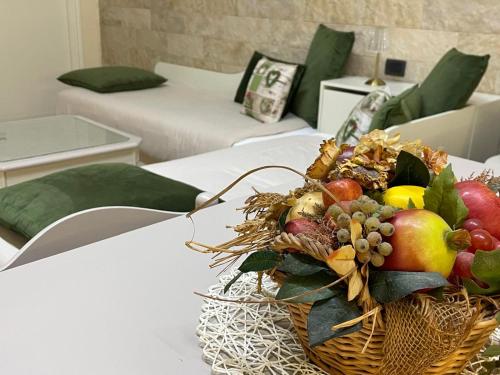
x=387 y=229
x=334 y=211
x=374 y=239
x=385 y=249
x=370 y=206
x=364 y=198
x=355 y=206
x=343 y=235
x=364 y=257
x=377 y=260
x=359 y=217
x=362 y=245
x=386 y=212
x=372 y=224
x=344 y=221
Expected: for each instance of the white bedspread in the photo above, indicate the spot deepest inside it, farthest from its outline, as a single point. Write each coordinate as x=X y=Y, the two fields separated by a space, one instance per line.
x=213 y=171
x=174 y=120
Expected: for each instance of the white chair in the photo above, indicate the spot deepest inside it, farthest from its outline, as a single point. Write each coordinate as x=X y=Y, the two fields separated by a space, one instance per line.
x=79 y=229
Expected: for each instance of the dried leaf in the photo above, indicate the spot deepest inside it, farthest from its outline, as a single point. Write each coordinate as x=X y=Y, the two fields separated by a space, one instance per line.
x=355 y=286
x=342 y=260
x=356 y=231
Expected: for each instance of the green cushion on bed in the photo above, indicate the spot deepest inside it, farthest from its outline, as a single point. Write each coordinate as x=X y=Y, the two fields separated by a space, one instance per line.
x=256 y=57
x=29 y=207
x=326 y=59
x=110 y=79
x=452 y=82
x=398 y=110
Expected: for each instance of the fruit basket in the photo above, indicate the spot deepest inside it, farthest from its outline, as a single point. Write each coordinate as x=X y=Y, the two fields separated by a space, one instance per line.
x=387 y=263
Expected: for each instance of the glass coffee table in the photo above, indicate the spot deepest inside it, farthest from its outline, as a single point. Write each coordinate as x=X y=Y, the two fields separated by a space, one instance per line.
x=35 y=147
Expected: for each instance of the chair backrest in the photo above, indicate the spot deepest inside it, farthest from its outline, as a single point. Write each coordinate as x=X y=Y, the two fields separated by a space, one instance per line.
x=83 y=228
x=223 y=84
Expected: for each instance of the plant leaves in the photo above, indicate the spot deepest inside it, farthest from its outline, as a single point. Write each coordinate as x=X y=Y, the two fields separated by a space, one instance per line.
x=282 y=220
x=443 y=199
x=260 y=261
x=233 y=280
x=297 y=285
x=389 y=286
x=411 y=204
x=301 y=265
x=492 y=351
x=326 y=314
x=410 y=170
x=485 y=267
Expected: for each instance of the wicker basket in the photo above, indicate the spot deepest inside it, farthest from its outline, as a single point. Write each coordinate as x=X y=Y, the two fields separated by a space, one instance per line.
x=342 y=356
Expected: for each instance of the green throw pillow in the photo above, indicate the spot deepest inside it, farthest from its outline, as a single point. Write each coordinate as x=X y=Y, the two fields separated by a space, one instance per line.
x=326 y=59
x=257 y=56
x=31 y=206
x=398 y=110
x=452 y=82
x=112 y=79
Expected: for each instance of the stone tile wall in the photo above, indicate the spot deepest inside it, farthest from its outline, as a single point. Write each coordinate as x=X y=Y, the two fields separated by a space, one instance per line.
x=222 y=34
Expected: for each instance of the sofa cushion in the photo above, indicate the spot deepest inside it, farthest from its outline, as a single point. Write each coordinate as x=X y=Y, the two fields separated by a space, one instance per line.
x=268 y=90
x=109 y=79
x=452 y=82
x=326 y=59
x=398 y=110
x=29 y=207
x=256 y=57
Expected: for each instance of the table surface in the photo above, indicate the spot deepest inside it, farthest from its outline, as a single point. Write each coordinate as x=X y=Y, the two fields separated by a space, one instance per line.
x=27 y=140
x=357 y=83
x=120 y=306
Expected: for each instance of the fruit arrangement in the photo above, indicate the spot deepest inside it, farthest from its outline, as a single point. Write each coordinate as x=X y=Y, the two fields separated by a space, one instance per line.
x=382 y=224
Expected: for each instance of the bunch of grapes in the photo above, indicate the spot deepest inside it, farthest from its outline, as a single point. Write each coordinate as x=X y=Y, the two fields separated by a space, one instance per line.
x=371 y=247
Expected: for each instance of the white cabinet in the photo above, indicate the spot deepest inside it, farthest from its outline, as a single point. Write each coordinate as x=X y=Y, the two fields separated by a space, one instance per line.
x=339 y=96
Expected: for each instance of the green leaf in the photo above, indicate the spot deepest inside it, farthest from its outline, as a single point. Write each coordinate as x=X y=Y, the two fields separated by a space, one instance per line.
x=302 y=265
x=233 y=280
x=411 y=204
x=260 y=261
x=410 y=170
x=443 y=199
x=326 y=314
x=498 y=318
x=485 y=267
x=282 y=220
x=492 y=351
x=389 y=286
x=297 y=285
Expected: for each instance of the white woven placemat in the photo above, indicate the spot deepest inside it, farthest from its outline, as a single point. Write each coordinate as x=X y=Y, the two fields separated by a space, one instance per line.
x=250 y=339
x=257 y=339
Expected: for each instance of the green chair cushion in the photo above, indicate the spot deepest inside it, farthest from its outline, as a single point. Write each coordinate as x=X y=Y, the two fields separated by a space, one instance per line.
x=247 y=75
x=398 y=110
x=326 y=59
x=452 y=82
x=31 y=206
x=110 y=79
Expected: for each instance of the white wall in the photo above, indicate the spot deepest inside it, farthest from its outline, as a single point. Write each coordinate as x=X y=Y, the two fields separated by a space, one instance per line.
x=91 y=32
x=38 y=43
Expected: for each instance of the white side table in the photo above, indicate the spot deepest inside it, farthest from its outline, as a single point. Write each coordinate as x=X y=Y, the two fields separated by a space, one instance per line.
x=339 y=96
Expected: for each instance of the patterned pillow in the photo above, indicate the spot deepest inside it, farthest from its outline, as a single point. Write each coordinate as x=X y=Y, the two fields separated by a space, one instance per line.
x=268 y=90
x=359 y=120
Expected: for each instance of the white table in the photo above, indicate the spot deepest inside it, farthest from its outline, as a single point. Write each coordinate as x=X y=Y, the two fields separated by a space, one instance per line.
x=35 y=147
x=121 y=306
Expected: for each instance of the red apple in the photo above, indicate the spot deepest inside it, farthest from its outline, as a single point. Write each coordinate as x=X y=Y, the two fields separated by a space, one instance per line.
x=483 y=204
x=298 y=226
x=463 y=264
x=345 y=189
